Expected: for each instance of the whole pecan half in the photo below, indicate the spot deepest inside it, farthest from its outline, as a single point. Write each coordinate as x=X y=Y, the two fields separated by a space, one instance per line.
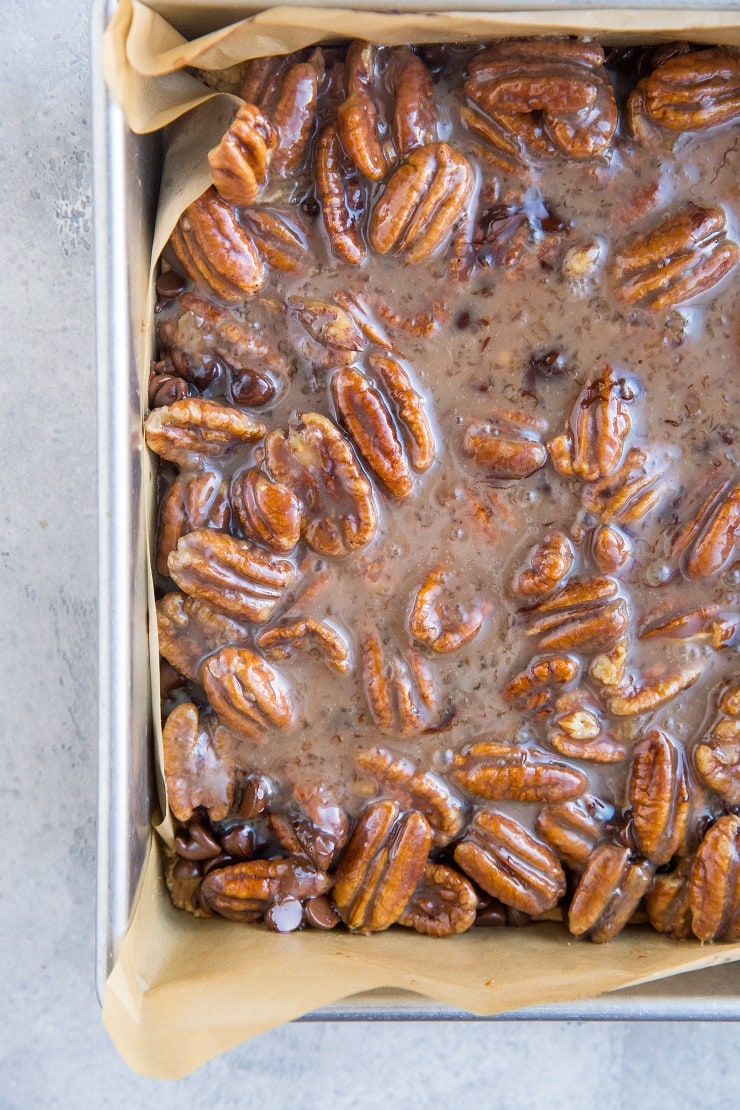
x=549 y=564
x=400 y=693
x=667 y=902
x=194 y=500
x=292 y=110
x=245 y=891
x=280 y=642
x=199 y=765
x=645 y=696
x=498 y=771
x=507 y=444
x=717 y=759
x=240 y=162
x=247 y=693
x=709 y=538
x=216 y=251
x=608 y=893
x=368 y=422
x=266 y=510
x=422 y=203
x=278 y=238
x=533 y=687
x=587 y=615
x=381 y=866
x=444 y=903
x=505 y=860
x=198 y=426
x=415 y=113
x=311 y=824
x=342 y=197
x=593 y=446
x=409 y=410
x=230 y=574
x=686 y=254
x=318 y=464
x=573 y=829
x=689 y=92
x=361 y=119
x=714 y=886
x=438 y=621
x=658 y=791
x=188 y=630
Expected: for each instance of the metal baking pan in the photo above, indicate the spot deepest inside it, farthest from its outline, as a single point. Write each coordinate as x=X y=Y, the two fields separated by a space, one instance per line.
x=126 y=182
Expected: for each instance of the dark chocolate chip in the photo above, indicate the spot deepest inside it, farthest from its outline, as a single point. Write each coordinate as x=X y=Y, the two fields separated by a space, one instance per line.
x=285 y=916
x=186 y=869
x=252 y=389
x=254 y=797
x=196 y=843
x=169 y=285
x=320 y=913
x=239 y=841
x=164 y=389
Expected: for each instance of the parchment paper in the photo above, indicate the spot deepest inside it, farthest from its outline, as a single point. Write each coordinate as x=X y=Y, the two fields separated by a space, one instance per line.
x=183 y=989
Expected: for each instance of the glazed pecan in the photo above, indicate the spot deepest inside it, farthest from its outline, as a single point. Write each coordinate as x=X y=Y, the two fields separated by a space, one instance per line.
x=689 y=91
x=365 y=416
x=199 y=766
x=312 y=824
x=533 y=687
x=573 y=829
x=247 y=694
x=341 y=196
x=361 y=120
x=381 y=866
x=278 y=239
x=507 y=445
x=608 y=893
x=240 y=162
x=356 y=304
x=197 y=426
x=443 y=904
x=424 y=791
x=230 y=574
x=280 y=642
x=586 y=616
x=686 y=254
x=708 y=540
x=578 y=733
x=245 y=891
x=400 y=693
x=667 y=902
x=498 y=771
x=506 y=861
x=628 y=494
x=322 y=333
x=658 y=791
x=205 y=329
x=704 y=623
x=439 y=622
x=593 y=446
x=189 y=630
x=216 y=251
x=611 y=549
x=408 y=406
x=648 y=695
x=729 y=702
x=415 y=113
x=714 y=886
x=267 y=511
x=608 y=668
x=423 y=201
x=549 y=564
x=292 y=110
x=717 y=759
x=194 y=500
x=314 y=460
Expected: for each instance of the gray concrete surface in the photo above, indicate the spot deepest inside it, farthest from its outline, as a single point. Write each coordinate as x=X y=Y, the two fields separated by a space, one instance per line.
x=53 y=1050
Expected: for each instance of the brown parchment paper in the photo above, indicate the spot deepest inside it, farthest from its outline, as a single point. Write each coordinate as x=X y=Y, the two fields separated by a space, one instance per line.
x=182 y=989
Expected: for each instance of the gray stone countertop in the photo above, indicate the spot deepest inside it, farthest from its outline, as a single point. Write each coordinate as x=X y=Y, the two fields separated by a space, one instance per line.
x=53 y=1049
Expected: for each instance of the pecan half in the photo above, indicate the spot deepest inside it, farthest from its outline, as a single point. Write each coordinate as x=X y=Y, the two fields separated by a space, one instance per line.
x=313 y=825
x=279 y=643
x=247 y=694
x=341 y=196
x=506 y=861
x=216 y=251
x=189 y=630
x=230 y=574
x=608 y=893
x=424 y=791
x=266 y=511
x=533 y=687
x=549 y=564
x=497 y=771
x=369 y=424
x=416 y=431
x=245 y=891
x=314 y=460
x=586 y=615
x=444 y=903
x=199 y=766
x=240 y=161
x=608 y=668
x=611 y=549
x=423 y=201
x=579 y=734
x=438 y=621
x=717 y=759
x=592 y=448
x=279 y=240
x=714 y=886
x=708 y=540
x=628 y=494
x=381 y=866
x=658 y=791
x=293 y=111
x=507 y=445
x=667 y=902
x=573 y=829
x=197 y=426
x=692 y=91
x=205 y=329
x=647 y=696
x=688 y=253
x=415 y=114
x=322 y=333
x=360 y=118
x=193 y=501
x=400 y=693
x=705 y=623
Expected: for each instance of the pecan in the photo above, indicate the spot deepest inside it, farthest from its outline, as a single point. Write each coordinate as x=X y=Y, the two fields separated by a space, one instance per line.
x=216 y=251
x=360 y=118
x=608 y=893
x=658 y=791
x=196 y=426
x=686 y=254
x=533 y=687
x=280 y=642
x=240 y=161
x=414 y=115
x=292 y=112
x=189 y=630
x=608 y=668
x=422 y=203
x=611 y=549
x=322 y=333
x=262 y=79
x=667 y=902
x=644 y=698
x=709 y=539
x=579 y=734
x=714 y=886
x=580 y=261
x=443 y=904
x=424 y=791
x=279 y=241
x=400 y=693
x=358 y=308
x=498 y=771
x=549 y=564
x=370 y=426
x=586 y=615
x=206 y=328
x=703 y=623
x=230 y=574
x=717 y=759
x=313 y=825
x=507 y=444
x=506 y=861
x=342 y=198
x=440 y=623
x=314 y=460
x=193 y=501
x=592 y=448
x=199 y=766
x=245 y=891
x=267 y=511
x=693 y=92
x=381 y=866
x=729 y=703
x=628 y=494
x=416 y=431
x=573 y=829
x=247 y=694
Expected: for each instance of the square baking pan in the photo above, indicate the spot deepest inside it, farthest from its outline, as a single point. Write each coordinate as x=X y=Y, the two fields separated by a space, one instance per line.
x=126 y=184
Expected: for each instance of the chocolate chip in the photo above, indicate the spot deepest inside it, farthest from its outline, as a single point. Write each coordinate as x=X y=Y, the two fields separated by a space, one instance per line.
x=462 y=321
x=196 y=843
x=164 y=389
x=169 y=285
x=311 y=207
x=254 y=797
x=492 y=915
x=285 y=916
x=252 y=389
x=186 y=869
x=320 y=913
x=218 y=862
x=239 y=841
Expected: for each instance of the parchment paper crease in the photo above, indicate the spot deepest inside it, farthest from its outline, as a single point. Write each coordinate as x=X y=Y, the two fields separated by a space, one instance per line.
x=183 y=990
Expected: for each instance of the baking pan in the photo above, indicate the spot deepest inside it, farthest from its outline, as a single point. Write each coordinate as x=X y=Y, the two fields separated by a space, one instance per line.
x=126 y=179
